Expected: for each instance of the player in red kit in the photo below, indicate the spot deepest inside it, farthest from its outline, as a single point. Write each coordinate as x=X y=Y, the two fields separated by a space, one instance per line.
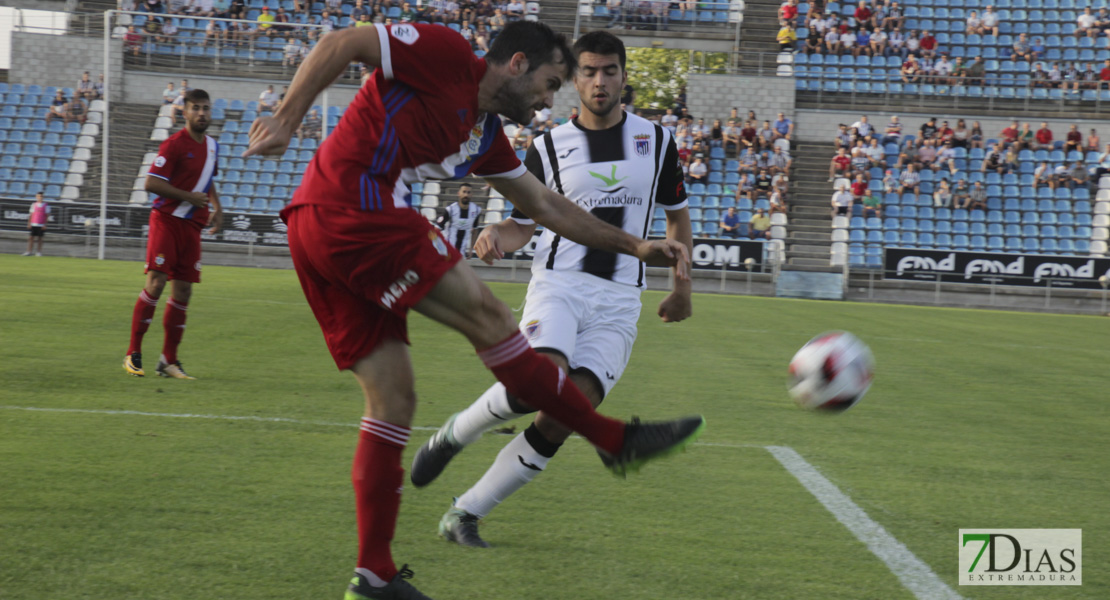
x=183 y=178
x=365 y=257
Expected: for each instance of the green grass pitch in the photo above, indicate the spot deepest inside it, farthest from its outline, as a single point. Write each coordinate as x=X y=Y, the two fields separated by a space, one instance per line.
x=976 y=419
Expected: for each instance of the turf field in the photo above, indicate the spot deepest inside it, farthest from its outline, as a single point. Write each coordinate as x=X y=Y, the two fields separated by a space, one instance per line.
x=976 y=419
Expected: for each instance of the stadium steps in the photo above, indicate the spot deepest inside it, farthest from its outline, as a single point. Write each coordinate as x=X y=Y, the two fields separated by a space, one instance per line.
x=560 y=15
x=758 y=31
x=943 y=105
x=809 y=233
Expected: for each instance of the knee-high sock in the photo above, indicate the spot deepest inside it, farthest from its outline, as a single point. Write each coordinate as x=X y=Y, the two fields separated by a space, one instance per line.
x=141 y=317
x=174 y=324
x=490 y=409
x=377 y=476
x=518 y=463
x=540 y=384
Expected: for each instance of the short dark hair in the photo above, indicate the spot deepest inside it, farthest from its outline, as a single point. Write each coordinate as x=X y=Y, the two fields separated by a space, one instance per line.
x=600 y=42
x=196 y=96
x=464 y=185
x=536 y=40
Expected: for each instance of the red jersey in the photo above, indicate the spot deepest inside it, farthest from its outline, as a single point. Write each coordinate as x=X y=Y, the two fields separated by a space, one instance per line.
x=789 y=12
x=1044 y=136
x=859 y=188
x=843 y=162
x=188 y=165
x=417 y=118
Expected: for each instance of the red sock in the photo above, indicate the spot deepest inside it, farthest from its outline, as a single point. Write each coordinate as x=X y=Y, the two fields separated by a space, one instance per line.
x=174 y=323
x=377 y=476
x=141 y=317
x=540 y=384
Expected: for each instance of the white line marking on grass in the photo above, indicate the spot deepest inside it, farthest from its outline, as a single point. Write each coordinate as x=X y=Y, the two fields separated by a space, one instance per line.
x=915 y=575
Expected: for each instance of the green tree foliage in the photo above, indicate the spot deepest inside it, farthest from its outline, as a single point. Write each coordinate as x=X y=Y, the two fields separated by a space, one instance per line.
x=658 y=74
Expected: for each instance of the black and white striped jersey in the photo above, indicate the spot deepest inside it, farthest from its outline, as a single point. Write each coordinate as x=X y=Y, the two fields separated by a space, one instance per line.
x=617 y=174
x=457 y=225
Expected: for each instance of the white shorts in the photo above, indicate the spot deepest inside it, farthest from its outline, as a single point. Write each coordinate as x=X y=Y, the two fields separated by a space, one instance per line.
x=589 y=320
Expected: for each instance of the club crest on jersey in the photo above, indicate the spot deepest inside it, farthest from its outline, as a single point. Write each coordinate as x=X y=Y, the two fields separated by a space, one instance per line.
x=643 y=148
x=437 y=243
x=160 y=260
x=532 y=328
x=405 y=33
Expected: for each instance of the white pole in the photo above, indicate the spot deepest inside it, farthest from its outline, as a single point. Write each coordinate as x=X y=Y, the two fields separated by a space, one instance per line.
x=107 y=119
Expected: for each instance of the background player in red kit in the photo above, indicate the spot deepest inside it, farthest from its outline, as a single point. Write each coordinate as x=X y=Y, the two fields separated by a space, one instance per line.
x=365 y=257
x=183 y=177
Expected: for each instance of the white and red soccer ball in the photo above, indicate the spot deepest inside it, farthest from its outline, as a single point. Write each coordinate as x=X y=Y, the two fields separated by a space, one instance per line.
x=831 y=372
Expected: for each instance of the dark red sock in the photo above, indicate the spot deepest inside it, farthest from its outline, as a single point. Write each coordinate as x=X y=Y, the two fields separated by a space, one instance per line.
x=377 y=476
x=540 y=384
x=141 y=317
x=174 y=324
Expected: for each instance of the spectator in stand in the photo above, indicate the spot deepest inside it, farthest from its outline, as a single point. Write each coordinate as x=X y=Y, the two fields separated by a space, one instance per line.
x=860 y=160
x=1093 y=142
x=1055 y=76
x=848 y=42
x=1078 y=177
x=786 y=37
x=1073 y=140
x=748 y=161
x=265 y=22
x=832 y=41
x=669 y=120
x=875 y=154
x=168 y=33
x=928 y=45
x=1010 y=134
x=1085 y=24
x=929 y=129
x=815 y=43
x=766 y=136
x=1104 y=75
x=878 y=42
x=716 y=135
x=746 y=186
x=85 y=88
x=927 y=154
x=169 y=94
x=872 y=205
x=961 y=194
x=1044 y=138
x=842 y=202
x=76 y=110
x=359 y=10
x=942 y=195
x=893 y=132
x=698 y=170
x=1089 y=77
x=977 y=198
x=214 y=32
x=961 y=135
x=990 y=22
x=858 y=187
x=976 y=135
x=761 y=188
x=942 y=72
x=1023 y=50
x=890 y=182
x=863 y=127
x=749 y=136
x=760 y=226
x=864 y=16
x=1103 y=167
x=1011 y=163
x=896 y=43
x=840 y=165
x=777 y=201
x=731 y=137
x=132 y=40
x=98 y=86
x=1043 y=175
x=1038 y=48
x=995 y=159
x=730 y=224
x=268 y=99
x=912 y=46
x=944 y=134
x=292 y=52
x=1071 y=76
x=779 y=161
x=976 y=72
x=783 y=128
x=58 y=107
x=788 y=12
x=974 y=23
x=910 y=180
x=907 y=155
x=946 y=158
x=863 y=43
x=843 y=137
x=911 y=70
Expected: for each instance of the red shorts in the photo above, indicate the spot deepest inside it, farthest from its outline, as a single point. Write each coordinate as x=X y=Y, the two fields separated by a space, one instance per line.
x=173 y=247
x=362 y=272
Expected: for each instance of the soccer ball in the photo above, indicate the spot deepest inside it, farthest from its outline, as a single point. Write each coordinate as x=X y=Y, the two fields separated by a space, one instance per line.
x=831 y=372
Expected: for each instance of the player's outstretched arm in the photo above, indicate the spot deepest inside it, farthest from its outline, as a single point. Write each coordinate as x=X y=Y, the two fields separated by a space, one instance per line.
x=497 y=239
x=332 y=55
x=568 y=220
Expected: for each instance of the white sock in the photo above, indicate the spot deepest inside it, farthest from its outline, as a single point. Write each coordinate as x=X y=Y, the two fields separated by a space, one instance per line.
x=489 y=410
x=507 y=474
x=371 y=578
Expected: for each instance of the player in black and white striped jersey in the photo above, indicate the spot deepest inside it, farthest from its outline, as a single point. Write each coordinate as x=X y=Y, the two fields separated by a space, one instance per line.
x=583 y=304
x=459 y=219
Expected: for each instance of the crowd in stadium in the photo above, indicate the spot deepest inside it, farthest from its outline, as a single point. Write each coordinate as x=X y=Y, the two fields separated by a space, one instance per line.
x=1067 y=50
x=292 y=27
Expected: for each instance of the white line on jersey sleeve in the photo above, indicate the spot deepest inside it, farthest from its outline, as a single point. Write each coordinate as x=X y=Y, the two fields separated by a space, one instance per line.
x=387 y=58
